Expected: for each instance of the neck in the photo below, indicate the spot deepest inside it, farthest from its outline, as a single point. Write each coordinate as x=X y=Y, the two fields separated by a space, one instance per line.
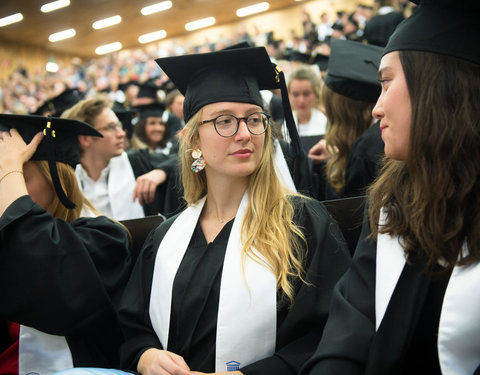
x=93 y=165
x=304 y=117
x=223 y=199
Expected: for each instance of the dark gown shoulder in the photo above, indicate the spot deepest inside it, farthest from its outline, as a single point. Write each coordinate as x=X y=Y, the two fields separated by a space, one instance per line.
x=65 y=278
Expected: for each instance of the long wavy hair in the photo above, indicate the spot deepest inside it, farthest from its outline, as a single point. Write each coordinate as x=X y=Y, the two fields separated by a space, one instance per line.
x=432 y=200
x=267 y=226
x=71 y=188
x=347 y=120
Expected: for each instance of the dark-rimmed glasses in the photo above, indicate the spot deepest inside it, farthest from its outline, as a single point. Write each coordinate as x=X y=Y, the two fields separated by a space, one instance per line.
x=227 y=125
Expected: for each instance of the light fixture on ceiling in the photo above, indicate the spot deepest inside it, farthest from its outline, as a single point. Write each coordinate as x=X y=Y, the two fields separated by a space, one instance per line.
x=61 y=35
x=106 y=22
x=107 y=48
x=252 y=9
x=17 y=17
x=54 y=5
x=198 y=24
x=154 y=8
x=51 y=67
x=150 y=37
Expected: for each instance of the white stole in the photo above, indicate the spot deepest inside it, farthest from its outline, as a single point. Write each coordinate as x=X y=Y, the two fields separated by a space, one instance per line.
x=459 y=328
x=281 y=167
x=121 y=182
x=41 y=353
x=247 y=321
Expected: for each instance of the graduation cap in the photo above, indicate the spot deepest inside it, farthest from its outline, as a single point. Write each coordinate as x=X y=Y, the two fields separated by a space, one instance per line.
x=441 y=26
x=321 y=61
x=296 y=56
x=125 y=115
x=147 y=89
x=353 y=70
x=59 y=144
x=155 y=109
x=235 y=74
x=58 y=104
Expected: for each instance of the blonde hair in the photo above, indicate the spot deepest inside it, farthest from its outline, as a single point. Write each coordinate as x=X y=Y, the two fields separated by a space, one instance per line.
x=347 y=120
x=267 y=226
x=69 y=183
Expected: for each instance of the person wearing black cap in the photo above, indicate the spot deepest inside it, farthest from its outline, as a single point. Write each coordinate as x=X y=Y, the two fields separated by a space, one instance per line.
x=228 y=284
x=350 y=91
x=61 y=272
x=151 y=131
x=122 y=185
x=56 y=105
x=409 y=303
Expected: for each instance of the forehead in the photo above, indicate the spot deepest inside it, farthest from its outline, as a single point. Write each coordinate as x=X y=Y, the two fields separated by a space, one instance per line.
x=105 y=117
x=233 y=107
x=390 y=61
x=300 y=84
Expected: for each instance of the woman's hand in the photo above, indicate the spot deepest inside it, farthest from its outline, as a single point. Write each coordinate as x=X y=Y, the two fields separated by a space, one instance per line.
x=162 y=362
x=319 y=151
x=147 y=185
x=14 y=152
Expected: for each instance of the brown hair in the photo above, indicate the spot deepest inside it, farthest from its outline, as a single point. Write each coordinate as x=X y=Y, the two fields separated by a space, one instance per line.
x=140 y=135
x=347 y=120
x=432 y=200
x=70 y=186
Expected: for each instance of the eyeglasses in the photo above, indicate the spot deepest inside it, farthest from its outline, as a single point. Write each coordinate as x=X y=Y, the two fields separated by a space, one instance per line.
x=227 y=125
x=113 y=127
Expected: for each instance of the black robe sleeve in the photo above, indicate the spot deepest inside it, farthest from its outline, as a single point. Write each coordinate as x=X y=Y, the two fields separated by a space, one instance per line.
x=345 y=344
x=168 y=198
x=64 y=278
x=134 y=310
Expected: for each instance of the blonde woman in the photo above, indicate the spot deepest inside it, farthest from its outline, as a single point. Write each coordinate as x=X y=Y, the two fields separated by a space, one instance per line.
x=241 y=280
x=61 y=272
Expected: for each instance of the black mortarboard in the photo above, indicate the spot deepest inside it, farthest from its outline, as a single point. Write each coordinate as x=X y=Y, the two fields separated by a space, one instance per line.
x=59 y=144
x=321 y=61
x=236 y=74
x=441 y=26
x=125 y=115
x=296 y=56
x=58 y=104
x=150 y=110
x=353 y=70
x=148 y=89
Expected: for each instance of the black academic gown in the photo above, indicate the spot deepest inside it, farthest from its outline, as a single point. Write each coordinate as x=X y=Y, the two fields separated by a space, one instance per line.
x=64 y=279
x=300 y=169
x=168 y=197
x=298 y=329
x=363 y=162
x=405 y=342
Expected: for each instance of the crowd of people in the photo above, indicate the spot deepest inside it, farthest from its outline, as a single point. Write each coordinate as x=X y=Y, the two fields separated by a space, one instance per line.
x=248 y=273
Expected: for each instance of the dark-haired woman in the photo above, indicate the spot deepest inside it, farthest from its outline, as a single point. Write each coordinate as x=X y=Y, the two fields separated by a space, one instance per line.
x=409 y=303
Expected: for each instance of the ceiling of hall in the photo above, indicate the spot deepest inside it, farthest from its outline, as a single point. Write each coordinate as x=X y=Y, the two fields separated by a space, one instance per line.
x=36 y=26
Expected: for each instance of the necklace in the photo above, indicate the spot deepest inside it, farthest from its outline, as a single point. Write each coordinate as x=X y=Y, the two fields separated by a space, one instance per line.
x=222 y=220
